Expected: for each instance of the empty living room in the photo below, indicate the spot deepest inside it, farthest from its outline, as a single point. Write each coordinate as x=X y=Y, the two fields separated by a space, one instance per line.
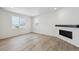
x=39 y=28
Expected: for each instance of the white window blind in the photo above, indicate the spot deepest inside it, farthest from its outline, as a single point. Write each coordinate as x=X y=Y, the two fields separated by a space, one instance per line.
x=18 y=22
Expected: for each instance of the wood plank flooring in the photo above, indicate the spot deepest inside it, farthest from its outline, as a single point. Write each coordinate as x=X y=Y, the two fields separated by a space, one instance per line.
x=35 y=42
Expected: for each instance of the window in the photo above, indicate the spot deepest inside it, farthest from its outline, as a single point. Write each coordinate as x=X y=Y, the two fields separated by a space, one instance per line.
x=22 y=21
x=18 y=22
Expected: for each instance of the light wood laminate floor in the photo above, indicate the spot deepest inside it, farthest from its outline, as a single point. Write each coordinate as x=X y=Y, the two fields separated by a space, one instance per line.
x=35 y=42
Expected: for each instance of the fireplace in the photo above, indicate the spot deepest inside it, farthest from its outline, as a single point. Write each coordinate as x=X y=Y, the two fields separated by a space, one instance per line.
x=65 y=33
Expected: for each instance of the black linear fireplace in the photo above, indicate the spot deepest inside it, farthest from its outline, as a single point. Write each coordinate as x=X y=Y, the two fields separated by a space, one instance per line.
x=66 y=33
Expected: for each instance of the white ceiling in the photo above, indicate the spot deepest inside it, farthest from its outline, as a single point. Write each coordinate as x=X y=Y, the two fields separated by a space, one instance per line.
x=31 y=11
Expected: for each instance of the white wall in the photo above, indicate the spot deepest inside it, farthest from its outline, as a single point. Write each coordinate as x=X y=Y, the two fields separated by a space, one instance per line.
x=0 y=28
x=6 y=25
x=47 y=22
